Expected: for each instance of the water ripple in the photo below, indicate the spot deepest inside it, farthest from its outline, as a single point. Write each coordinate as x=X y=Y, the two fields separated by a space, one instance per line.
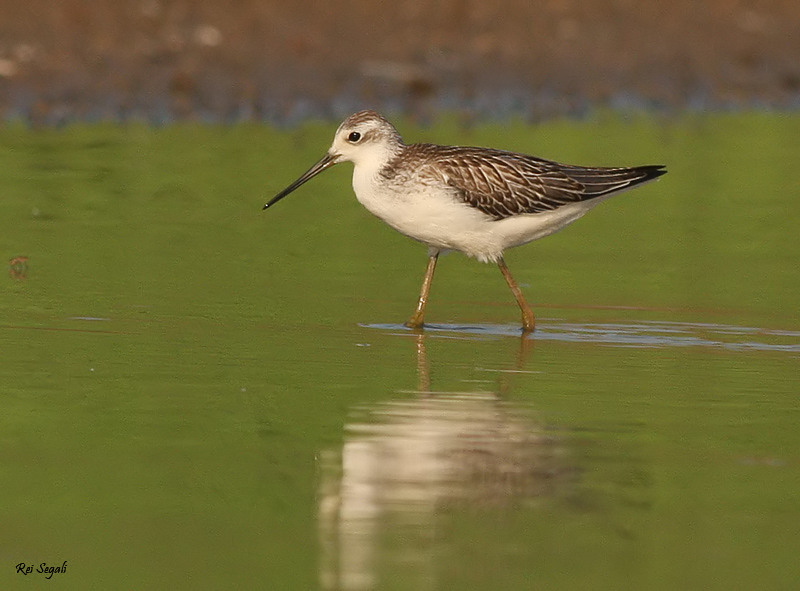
x=645 y=334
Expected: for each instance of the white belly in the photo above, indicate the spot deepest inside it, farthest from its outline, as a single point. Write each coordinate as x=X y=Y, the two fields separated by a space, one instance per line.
x=441 y=221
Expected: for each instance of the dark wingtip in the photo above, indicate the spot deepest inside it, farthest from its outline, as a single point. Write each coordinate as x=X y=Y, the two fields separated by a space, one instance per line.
x=656 y=170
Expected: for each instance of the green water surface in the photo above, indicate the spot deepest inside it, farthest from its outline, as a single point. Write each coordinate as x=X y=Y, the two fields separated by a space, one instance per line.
x=196 y=394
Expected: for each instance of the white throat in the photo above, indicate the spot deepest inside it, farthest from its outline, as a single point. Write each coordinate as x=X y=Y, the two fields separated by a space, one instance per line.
x=368 y=164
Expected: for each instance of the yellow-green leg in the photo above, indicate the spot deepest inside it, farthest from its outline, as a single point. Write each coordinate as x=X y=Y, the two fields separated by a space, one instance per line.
x=418 y=318
x=528 y=319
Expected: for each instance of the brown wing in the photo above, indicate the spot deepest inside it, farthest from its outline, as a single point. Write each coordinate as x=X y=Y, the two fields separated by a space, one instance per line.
x=503 y=184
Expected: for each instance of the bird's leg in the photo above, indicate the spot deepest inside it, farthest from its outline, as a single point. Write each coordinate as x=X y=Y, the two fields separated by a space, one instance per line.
x=417 y=319
x=528 y=320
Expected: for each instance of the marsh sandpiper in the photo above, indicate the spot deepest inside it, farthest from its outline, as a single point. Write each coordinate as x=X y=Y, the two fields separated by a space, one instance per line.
x=478 y=201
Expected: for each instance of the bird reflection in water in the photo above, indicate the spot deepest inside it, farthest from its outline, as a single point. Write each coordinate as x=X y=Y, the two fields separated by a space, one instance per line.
x=407 y=462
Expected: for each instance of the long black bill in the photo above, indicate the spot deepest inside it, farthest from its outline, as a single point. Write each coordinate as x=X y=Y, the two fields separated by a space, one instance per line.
x=326 y=162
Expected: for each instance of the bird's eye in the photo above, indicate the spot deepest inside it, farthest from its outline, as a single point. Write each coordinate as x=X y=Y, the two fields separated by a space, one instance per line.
x=353 y=137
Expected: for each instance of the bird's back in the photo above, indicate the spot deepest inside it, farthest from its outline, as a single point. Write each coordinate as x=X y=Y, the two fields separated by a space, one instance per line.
x=502 y=184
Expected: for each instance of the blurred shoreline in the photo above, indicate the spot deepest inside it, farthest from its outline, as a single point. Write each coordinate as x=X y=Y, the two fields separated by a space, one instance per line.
x=163 y=61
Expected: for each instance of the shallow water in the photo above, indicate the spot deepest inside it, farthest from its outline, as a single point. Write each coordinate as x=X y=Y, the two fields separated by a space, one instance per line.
x=198 y=394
